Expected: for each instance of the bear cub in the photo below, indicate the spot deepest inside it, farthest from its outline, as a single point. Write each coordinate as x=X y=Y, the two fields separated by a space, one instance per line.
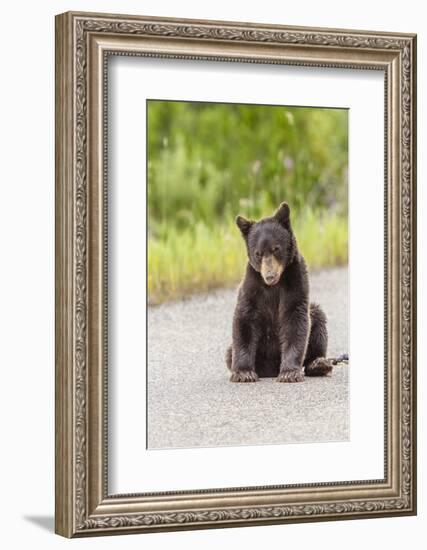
x=276 y=331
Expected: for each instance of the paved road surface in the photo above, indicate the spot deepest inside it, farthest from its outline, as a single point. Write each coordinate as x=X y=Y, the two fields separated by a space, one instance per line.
x=191 y=403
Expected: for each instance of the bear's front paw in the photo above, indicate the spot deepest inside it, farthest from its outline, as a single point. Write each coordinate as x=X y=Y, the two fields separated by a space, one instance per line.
x=244 y=375
x=293 y=375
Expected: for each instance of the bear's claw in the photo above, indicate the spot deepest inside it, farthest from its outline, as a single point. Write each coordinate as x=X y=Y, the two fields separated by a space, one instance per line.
x=244 y=376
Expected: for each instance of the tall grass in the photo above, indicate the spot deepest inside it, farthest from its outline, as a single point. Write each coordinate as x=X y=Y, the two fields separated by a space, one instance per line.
x=203 y=258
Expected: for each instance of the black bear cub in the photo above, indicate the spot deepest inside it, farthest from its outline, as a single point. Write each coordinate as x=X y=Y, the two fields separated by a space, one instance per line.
x=276 y=331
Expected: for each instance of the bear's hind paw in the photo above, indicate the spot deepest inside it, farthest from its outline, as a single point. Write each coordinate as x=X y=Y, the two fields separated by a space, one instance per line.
x=319 y=367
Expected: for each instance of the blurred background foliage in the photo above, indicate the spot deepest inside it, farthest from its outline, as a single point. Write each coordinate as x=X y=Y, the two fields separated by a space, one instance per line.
x=208 y=162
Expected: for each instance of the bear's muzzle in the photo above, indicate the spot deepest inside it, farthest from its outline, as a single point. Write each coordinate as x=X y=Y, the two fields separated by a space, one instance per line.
x=271 y=270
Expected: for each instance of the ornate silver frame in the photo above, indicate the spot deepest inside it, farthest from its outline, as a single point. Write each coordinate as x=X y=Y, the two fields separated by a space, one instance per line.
x=83 y=42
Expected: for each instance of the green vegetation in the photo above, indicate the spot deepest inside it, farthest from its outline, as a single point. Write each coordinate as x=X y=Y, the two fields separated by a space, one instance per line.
x=209 y=162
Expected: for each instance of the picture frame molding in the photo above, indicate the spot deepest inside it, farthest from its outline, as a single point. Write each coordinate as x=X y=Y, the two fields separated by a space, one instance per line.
x=83 y=43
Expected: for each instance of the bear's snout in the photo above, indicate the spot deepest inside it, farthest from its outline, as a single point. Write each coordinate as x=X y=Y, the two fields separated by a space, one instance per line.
x=271 y=270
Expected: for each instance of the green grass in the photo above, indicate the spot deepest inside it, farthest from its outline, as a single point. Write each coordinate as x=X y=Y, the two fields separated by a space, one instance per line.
x=201 y=258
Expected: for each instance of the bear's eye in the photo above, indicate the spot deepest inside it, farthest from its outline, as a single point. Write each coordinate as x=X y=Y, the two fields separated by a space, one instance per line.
x=276 y=249
x=257 y=254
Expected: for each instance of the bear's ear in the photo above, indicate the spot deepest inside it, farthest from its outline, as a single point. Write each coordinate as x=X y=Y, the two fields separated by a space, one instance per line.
x=244 y=225
x=282 y=214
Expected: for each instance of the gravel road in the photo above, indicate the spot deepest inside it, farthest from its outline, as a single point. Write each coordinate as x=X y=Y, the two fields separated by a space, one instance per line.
x=191 y=402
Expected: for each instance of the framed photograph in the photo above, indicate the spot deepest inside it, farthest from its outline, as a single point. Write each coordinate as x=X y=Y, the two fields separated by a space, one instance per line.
x=235 y=274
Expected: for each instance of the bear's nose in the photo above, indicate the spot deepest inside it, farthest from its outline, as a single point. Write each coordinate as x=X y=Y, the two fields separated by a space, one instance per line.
x=269 y=279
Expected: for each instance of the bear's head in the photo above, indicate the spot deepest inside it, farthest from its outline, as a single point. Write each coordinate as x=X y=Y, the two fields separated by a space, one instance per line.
x=270 y=243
